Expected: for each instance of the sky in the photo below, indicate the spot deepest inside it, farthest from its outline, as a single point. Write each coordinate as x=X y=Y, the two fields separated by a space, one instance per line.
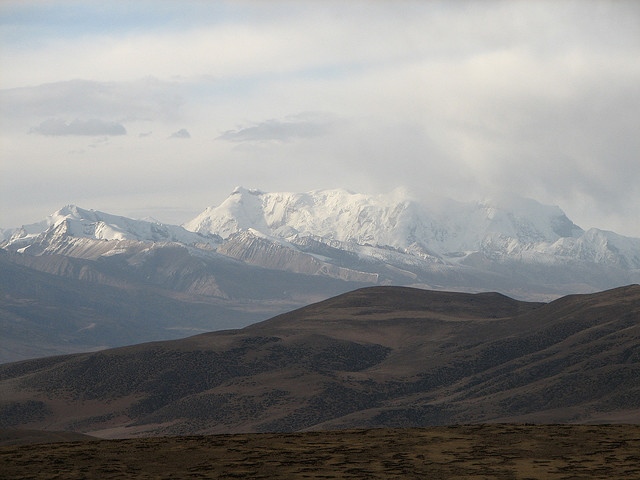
x=161 y=108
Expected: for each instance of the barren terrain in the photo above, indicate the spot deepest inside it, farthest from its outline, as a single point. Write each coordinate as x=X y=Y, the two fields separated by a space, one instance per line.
x=497 y=451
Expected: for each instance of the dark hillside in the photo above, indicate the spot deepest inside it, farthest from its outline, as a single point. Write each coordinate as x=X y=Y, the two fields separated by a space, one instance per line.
x=375 y=357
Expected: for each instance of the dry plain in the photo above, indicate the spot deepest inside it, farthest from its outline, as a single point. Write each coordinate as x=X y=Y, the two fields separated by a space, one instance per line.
x=498 y=451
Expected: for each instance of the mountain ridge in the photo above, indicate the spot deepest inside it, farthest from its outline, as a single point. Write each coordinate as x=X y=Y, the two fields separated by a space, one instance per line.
x=73 y=221
x=374 y=357
x=448 y=233
x=393 y=219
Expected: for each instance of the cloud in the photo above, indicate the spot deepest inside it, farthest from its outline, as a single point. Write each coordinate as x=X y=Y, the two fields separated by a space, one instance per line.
x=182 y=133
x=304 y=125
x=91 y=127
x=459 y=97
x=145 y=99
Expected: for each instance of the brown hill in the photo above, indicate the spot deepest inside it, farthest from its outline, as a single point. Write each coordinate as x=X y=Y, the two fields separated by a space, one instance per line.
x=375 y=357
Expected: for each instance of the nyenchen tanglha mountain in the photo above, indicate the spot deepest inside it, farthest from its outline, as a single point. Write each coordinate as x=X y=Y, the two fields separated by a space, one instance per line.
x=507 y=242
x=374 y=357
x=259 y=254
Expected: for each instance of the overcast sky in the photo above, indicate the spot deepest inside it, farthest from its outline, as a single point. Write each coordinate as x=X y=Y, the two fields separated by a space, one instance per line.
x=161 y=108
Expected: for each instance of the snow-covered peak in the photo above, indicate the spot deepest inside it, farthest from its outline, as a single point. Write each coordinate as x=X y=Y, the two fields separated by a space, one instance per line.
x=526 y=219
x=600 y=246
x=394 y=219
x=334 y=214
x=239 y=190
x=71 y=211
x=73 y=221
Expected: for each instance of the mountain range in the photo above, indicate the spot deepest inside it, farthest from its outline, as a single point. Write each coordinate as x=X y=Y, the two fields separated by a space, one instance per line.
x=373 y=357
x=258 y=254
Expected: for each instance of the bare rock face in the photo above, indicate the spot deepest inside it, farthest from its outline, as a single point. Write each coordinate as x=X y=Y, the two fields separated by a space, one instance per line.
x=256 y=250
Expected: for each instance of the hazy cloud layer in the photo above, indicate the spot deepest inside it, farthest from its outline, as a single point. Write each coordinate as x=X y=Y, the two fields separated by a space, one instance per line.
x=91 y=127
x=460 y=99
x=144 y=99
x=288 y=129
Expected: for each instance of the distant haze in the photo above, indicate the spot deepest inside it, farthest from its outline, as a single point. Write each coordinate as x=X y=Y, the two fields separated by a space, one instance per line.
x=161 y=108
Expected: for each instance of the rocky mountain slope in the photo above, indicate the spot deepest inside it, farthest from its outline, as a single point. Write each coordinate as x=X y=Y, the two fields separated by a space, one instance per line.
x=379 y=356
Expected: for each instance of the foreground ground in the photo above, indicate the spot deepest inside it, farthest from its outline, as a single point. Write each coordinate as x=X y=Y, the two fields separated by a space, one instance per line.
x=478 y=451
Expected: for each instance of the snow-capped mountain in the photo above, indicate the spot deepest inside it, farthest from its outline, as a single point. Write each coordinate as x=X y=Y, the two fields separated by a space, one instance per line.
x=72 y=224
x=383 y=220
x=514 y=245
x=446 y=231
